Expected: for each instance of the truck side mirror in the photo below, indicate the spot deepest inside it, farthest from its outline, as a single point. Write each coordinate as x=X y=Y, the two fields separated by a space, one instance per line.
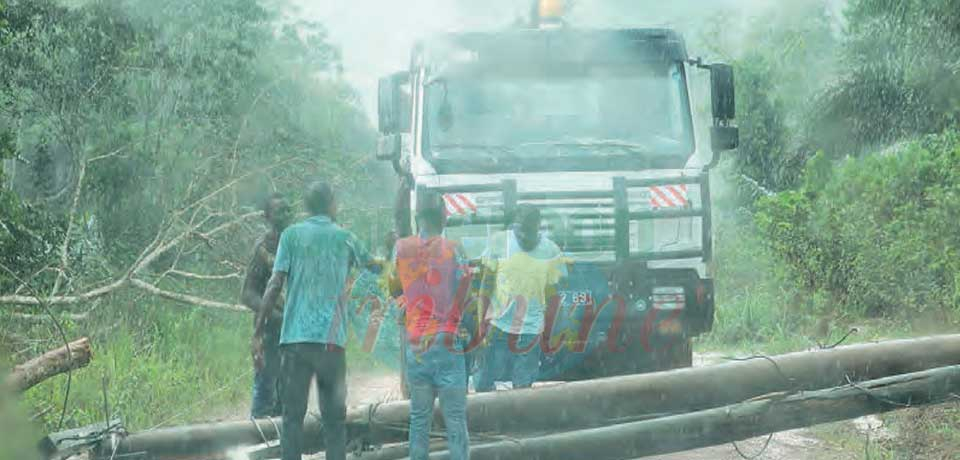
x=723 y=136
x=724 y=93
x=389 y=147
x=394 y=103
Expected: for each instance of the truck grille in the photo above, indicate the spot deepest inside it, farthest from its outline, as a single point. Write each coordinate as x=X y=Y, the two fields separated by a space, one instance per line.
x=618 y=222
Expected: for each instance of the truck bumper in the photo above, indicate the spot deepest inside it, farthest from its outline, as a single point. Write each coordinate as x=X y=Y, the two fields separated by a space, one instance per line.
x=644 y=322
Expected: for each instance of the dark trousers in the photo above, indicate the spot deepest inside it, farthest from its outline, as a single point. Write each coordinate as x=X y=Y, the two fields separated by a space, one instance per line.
x=266 y=381
x=301 y=363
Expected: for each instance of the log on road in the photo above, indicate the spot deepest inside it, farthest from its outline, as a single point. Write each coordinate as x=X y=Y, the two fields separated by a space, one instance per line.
x=49 y=364
x=603 y=402
x=593 y=403
x=731 y=423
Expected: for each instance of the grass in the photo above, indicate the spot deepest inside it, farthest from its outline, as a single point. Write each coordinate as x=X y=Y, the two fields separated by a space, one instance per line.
x=755 y=306
x=162 y=364
x=919 y=433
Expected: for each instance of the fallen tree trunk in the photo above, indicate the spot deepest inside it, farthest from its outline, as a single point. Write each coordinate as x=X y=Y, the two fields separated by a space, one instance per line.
x=731 y=423
x=594 y=403
x=49 y=364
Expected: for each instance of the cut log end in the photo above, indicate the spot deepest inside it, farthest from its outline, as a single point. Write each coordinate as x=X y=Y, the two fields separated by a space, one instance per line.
x=55 y=362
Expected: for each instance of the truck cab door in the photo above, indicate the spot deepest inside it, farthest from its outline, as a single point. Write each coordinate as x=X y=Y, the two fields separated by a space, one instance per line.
x=394 y=114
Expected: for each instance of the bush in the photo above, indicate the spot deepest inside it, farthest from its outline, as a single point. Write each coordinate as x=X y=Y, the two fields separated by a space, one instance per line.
x=877 y=233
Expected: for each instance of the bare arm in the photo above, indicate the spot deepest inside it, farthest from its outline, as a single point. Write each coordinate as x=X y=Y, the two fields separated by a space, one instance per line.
x=250 y=295
x=258 y=271
x=270 y=297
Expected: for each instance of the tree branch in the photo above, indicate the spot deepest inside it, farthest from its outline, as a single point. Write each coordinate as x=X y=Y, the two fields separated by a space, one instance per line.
x=199 y=277
x=75 y=317
x=186 y=298
x=71 y=217
x=193 y=231
x=230 y=185
x=64 y=300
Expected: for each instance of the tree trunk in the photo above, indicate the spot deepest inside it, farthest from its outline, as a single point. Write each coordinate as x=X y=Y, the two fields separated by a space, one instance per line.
x=730 y=423
x=49 y=364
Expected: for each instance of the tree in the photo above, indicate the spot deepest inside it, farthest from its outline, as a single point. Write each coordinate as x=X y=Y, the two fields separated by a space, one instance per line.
x=168 y=120
x=901 y=75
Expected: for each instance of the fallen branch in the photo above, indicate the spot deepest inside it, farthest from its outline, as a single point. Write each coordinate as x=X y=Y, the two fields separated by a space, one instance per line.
x=128 y=279
x=49 y=364
x=161 y=249
x=66 y=299
x=186 y=298
x=28 y=317
x=199 y=277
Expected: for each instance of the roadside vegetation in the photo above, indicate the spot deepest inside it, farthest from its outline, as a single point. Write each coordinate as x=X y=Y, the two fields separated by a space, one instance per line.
x=841 y=207
x=842 y=198
x=139 y=139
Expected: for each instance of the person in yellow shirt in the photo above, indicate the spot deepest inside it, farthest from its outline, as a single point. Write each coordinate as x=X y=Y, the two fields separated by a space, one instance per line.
x=527 y=264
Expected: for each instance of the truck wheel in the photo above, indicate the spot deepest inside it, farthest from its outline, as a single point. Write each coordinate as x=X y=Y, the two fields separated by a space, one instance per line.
x=675 y=356
x=401 y=210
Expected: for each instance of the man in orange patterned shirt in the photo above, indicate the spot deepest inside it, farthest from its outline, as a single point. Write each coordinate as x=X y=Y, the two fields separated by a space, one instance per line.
x=430 y=271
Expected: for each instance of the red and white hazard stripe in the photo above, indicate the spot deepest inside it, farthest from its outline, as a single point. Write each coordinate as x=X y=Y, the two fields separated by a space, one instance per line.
x=459 y=204
x=668 y=196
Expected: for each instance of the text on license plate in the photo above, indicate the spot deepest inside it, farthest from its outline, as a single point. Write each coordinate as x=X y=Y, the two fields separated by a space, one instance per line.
x=570 y=298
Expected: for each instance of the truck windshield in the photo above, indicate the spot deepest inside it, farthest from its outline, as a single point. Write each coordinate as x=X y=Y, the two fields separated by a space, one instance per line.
x=630 y=111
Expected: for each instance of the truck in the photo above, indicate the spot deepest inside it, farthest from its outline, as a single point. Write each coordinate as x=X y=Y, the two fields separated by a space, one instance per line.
x=596 y=128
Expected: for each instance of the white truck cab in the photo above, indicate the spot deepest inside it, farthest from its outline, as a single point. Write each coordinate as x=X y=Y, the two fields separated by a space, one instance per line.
x=595 y=128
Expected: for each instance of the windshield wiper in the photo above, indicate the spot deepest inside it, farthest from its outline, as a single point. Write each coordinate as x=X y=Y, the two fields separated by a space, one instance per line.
x=605 y=144
x=496 y=151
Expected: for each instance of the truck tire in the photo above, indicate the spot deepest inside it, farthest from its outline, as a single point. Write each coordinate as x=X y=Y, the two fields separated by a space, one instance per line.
x=675 y=356
x=402 y=211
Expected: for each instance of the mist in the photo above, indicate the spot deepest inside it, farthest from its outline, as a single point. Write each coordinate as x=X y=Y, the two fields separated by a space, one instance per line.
x=376 y=36
x=143 y=142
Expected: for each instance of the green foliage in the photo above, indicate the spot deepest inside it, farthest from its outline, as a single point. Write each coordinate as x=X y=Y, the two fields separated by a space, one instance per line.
x=163 y=103
x=900 y=78
x=182 y=97
x=763 y=130
x=780 y=61
x=754 y=303
x=877 y=232
x=28 y=238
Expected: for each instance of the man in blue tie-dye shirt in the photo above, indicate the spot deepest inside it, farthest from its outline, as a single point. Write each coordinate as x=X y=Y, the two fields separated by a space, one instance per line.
x=314 y=259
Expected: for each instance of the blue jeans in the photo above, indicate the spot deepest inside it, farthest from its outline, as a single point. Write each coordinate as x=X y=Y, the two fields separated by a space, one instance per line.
x=517 y=355
x=266 y=381
x=438 y=371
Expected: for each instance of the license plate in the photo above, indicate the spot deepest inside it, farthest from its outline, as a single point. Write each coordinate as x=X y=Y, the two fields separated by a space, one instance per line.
x=575 y=298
